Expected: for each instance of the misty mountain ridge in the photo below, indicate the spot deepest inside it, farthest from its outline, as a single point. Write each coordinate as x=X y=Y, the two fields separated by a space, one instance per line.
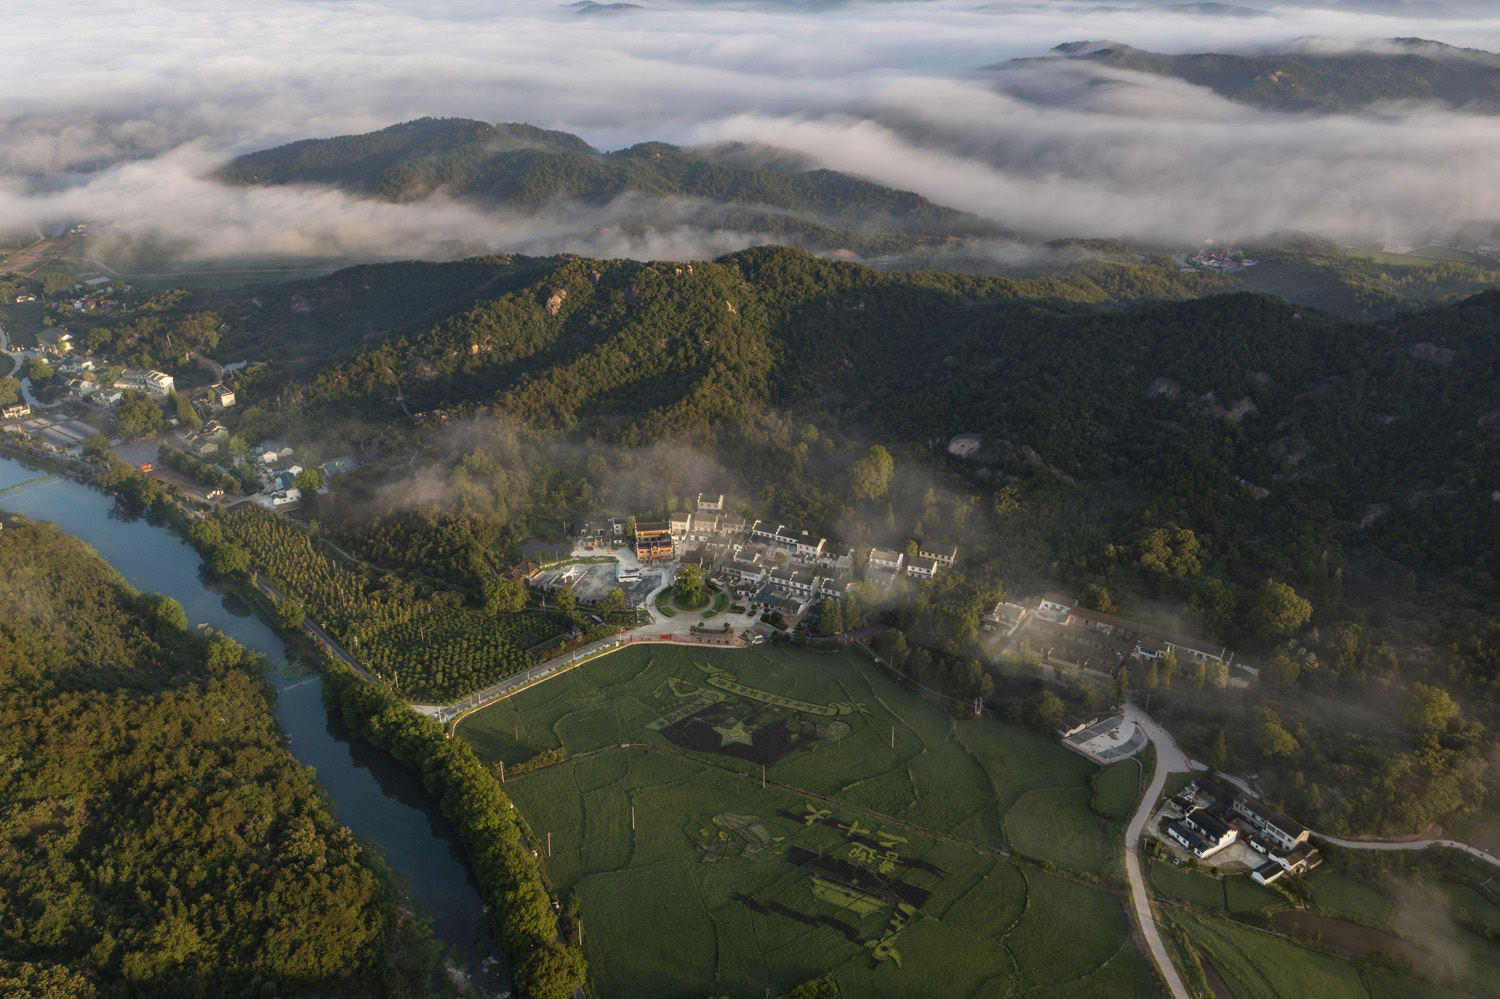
x=1399 y=69
x=525 y=169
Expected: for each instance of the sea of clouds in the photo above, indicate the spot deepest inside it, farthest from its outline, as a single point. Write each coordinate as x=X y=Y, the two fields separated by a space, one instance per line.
x=117 y=113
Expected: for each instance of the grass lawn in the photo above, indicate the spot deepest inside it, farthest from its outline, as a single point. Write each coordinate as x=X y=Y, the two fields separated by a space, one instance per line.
x=696 y=880
x=22 y=323
x=1245 y=895
x=1340 y=894
x=1117 y=788
x=720 y=602
x=1189 y=886
x=664 y=603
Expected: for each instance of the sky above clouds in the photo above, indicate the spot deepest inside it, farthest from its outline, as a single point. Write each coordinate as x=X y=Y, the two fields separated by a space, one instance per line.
x=900 y=92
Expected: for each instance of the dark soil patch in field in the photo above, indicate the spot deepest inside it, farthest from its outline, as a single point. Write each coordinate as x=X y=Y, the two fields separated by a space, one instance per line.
x=1216 y=983
x=1352 y=938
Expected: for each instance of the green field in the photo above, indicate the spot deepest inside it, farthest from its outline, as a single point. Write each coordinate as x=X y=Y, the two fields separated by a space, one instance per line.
x=1470 y=902
x=1261 y=966
x=1187 y=886
x=22 y=323
x=881 y=865
x=1342 y=895
x=1116 y=789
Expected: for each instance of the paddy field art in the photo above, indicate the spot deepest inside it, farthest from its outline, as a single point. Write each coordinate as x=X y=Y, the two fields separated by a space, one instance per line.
x=745 y=819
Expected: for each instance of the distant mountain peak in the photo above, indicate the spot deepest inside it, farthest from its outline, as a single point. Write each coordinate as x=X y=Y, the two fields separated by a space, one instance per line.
x=1319 y=75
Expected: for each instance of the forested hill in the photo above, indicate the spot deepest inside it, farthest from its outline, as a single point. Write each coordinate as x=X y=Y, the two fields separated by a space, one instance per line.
x=527 y=169
x=1278 y=432
x=1404 y=69
x=159 y=839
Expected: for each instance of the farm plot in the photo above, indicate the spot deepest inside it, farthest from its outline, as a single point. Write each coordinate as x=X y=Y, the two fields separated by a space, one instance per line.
x=881 y=865
x=828 y=724
x=1260 y=966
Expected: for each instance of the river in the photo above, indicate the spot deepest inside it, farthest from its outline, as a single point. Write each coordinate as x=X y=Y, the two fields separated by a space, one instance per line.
x=375 y=796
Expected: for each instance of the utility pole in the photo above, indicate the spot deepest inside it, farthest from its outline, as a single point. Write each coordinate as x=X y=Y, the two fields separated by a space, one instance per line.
x=762 y=776
x=632 y=817
x=893 y=737
x=502 y=771
x=549 y=844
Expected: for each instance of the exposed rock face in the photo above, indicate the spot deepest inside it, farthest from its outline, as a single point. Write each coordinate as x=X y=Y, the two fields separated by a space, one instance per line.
x=554 y=304
x=1373 y=512
x=1432 y=352
x=1294 y=450
x=966 y=445
x=1209 y=403
x=1163 y=386
x=1258 y=492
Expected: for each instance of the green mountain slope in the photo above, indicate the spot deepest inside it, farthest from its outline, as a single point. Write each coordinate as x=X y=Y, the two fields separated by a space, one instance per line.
x=1279 y=433
x=1414 y=70
x=526 y=169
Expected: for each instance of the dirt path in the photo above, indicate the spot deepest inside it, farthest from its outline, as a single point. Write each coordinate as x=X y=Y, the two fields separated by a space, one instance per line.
x=35 y=257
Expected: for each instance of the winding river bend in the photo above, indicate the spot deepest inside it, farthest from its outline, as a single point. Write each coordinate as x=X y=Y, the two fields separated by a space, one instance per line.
x=375 y=797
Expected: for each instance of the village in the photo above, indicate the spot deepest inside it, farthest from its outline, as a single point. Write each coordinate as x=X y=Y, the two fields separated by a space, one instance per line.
x=85 y=399
x=784 y=574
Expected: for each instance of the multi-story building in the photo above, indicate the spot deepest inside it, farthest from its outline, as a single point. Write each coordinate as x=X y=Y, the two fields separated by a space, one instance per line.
x=653 y=541
x=943 y=555
x=154 y=383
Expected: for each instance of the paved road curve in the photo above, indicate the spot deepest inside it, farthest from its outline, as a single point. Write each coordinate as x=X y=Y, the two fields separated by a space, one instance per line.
x=1169 y=759
x=1414 y=844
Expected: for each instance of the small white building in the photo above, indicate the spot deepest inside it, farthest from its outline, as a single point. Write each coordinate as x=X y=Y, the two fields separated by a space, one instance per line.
x=920 y=567
x=943 y=555
x=1054 y=607
x=156 y=384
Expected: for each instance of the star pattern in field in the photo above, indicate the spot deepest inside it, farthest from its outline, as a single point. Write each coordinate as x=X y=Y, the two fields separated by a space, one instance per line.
x=735 y=732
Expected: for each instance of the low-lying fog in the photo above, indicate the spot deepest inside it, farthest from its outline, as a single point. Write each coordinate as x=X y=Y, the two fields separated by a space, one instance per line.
x=115 y=113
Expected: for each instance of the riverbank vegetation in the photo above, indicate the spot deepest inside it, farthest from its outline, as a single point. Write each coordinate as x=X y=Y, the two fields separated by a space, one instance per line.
x=503 y=862
x=161 y=841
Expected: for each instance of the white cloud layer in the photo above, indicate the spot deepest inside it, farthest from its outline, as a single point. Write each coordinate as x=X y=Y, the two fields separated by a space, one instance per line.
x=894 y=91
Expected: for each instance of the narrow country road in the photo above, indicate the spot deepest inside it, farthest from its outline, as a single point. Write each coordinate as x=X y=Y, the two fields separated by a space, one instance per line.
x=1169 y=759
x=1415 y=844
x=318 y=633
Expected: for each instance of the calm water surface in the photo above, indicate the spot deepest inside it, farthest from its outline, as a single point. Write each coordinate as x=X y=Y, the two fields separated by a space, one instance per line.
x=375 y=797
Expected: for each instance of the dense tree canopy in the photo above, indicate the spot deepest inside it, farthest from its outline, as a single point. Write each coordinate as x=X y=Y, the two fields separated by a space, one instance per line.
x=161 y=842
